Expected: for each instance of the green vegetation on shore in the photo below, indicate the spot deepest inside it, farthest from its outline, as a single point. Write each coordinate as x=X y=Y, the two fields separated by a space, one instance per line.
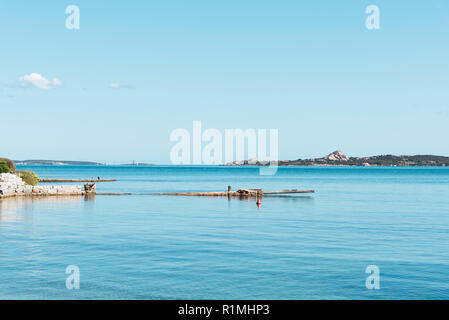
x=11 y=165
x=4 y=168
x=29 y=177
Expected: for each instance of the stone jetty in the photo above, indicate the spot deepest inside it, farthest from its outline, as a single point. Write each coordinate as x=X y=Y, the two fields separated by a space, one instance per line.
x=241 y=193
x=12 y=185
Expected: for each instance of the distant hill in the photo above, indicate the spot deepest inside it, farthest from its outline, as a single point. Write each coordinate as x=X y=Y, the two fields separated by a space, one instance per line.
x=338 y=158
x=57 y=163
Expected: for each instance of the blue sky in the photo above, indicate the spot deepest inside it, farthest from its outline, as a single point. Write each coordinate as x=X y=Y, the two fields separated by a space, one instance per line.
x=307 y=68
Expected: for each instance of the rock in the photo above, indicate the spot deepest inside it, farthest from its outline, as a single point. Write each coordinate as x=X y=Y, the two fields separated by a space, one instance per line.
x=336 y=156
x=28 y=189
x=253 y=161
x=11 y=184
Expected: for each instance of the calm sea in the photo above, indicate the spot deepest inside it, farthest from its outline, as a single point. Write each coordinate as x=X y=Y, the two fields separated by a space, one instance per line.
x=294 y=247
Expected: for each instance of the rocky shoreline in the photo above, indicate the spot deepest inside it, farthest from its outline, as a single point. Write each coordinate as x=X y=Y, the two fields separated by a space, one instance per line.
x=13 y=186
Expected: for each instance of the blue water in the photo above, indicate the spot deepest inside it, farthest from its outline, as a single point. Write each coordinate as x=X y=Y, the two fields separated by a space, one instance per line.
x=294 y=247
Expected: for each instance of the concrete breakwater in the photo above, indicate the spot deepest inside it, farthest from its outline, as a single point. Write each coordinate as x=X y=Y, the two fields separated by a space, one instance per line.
x=12 y=186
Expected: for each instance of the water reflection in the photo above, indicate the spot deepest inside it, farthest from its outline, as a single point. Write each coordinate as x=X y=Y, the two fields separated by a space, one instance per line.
x=259 y=201
x=290 y=197
x=89 y=198
x=15 y=209
x=277 y=197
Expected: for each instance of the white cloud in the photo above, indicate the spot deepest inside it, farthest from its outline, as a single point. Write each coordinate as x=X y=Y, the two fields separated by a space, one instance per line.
x=39 y=81
x=115 y=85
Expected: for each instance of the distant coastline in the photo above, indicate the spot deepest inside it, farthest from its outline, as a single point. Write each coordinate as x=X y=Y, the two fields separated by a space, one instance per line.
x=71 y=163
x=338 y=158
x=56 y=163
x=334 y=159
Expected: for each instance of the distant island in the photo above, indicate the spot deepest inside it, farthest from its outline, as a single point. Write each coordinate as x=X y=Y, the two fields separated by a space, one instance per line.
x=70 y=163
x=55 y=163
x=338 y=158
